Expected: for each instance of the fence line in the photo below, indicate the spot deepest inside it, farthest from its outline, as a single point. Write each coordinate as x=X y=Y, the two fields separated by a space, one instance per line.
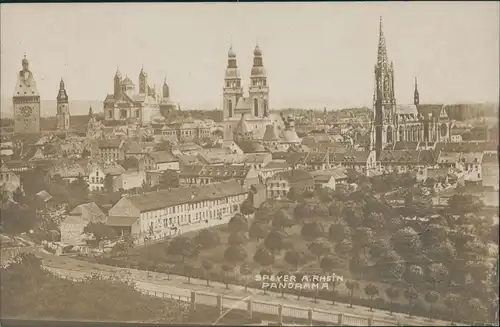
x=249 y=305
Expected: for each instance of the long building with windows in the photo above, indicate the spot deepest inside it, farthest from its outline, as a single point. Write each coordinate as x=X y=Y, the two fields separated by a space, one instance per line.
x=157 y=215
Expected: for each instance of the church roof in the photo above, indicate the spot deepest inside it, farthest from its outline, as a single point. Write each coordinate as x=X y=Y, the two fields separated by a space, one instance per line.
x=127 y=81
x=251 y=146
x=243 y=104
x=434 y=110
x=26 y=85
x=291 y=136
x=406 y=109
x=243 y=126
x=270 y=134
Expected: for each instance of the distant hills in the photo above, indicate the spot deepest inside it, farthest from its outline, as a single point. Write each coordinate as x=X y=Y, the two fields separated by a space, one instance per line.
x=76 y=107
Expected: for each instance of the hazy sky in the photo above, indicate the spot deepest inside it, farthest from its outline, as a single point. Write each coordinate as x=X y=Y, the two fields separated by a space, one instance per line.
x=315 y=54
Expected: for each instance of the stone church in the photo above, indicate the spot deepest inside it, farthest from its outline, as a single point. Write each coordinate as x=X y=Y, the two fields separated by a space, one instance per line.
x=394 y=122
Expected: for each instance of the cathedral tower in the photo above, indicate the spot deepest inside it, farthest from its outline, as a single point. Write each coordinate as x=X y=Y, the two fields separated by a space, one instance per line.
x=232 y=91
x=62 y=116
x=384 y=99
x=165 y=90
x=143 y=82
x=26 y=102
x=117 y=83
x=259 y=90
x=416 y=96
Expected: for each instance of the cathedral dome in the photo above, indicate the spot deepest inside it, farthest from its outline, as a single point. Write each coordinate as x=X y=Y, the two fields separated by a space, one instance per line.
x=232 y=73
x=258 y=71
x=127 y=81
x=231 y=53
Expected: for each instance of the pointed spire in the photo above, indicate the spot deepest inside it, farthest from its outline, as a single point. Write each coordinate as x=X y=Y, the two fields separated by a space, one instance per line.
x=90 y=112
x=382 y=49
x=416 y=84
x=61 y=84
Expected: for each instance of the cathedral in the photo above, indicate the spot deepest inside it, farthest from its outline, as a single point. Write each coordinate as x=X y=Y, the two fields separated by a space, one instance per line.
x=402 y=123
x=253 y=109
x=26 y=102
x=125 y=104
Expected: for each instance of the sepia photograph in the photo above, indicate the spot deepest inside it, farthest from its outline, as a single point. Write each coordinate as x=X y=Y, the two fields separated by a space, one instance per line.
x=249 y=163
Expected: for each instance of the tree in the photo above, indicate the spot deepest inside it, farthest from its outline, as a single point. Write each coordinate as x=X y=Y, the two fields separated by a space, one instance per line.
x=263 y=215
x=431 y=297
x=437 y=272
x=207 y=239
x=246 y=270
x=344 y=247
x=379 y=247
x=311 y=231
x=329 y=263
x=108 y=183
x=406 y=240
x=235 y=254
x=78 y=192
x=227 y=268
x=183 y=246
x=85 y=153
x=461 y=204
x=16 y=219
x=282 y=220
x=363 y=237
x=247 y=207
x=100 y=231
x=358 y=264
x=453 y=302
x=295 y=258
x=301 y=212
x=414 y=274
x=352 y=286
x=320 y=247
x=238 y=224
x=257 y=231
x=375 y=221
x=393 y=294
x=263 y=257
x=18 y=195
x=275 y=241
x=339 y=230
x=293 y=195
x=411 y=295
x=353 y=213
x=372 y=291
x=169 y=179
x=236 y=239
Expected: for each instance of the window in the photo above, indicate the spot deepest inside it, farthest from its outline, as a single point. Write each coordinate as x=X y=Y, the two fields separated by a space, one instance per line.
x=478 y=175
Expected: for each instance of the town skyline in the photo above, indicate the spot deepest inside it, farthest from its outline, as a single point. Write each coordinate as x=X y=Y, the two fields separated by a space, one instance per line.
x=454 y=57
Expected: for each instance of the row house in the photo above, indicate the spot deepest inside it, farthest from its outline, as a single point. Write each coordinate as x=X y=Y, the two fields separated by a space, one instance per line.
x=73 y=225
x=205 y=174
x=186 y=148
x=364 y=162
x=272 y=168
x=443 y=177
x=111 y=149
x=6 y=151
x=450 y=159
x=159 y=161
x=399 y=161
x=135 y=150
x=165 y=133
x=472 y=165
x=257 y=160
x=96 y=174
x=490 y=170
x=157 y=215
x=328 y=178
x=191 y=130
x=130 y=179
x=279 y=185
x=10 y=180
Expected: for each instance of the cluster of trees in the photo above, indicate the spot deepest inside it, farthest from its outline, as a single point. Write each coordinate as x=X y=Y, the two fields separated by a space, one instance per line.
x=27 y=290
